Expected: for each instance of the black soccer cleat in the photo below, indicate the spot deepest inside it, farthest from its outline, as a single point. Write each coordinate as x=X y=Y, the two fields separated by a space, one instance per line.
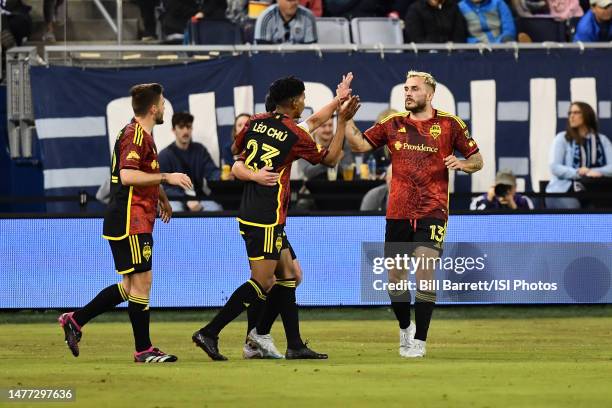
x=154 y=355
x=72 y=332
x=209 y=344
x=304 y=353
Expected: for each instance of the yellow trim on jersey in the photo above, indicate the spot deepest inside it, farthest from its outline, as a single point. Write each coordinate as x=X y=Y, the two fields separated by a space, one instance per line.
x=241 y=232
x=450 y=115
x=393 y=115
x=256 y=258
x=138 y=135
x=280 y=189
x=127 y=222
x=126 y=271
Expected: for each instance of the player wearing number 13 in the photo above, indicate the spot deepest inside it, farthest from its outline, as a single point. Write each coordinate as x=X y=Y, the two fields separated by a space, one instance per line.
x=422 y=142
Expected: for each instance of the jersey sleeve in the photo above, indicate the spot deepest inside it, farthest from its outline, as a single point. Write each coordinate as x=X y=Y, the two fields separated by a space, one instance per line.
x=306 y=148
x=376 y=135
x=238 y=145
x=462 y=140
x=131 y=148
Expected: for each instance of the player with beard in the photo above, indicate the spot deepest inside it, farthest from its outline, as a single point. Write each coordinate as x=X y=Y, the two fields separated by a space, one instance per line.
x=422 y=142
x=136 y=194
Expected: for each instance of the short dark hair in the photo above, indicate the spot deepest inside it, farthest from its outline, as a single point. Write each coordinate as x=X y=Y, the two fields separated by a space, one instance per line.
x=284 y=89
x=182 y=119
x=144 y=96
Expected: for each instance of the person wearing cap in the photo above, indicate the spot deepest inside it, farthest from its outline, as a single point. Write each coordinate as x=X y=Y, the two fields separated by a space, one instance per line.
x=596 y=24
x=502 y=195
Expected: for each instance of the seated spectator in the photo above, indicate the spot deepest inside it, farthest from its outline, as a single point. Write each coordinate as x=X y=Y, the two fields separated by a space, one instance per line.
x=502 y=195
x=323 y=135
x=531 y=8
x=16 y=23
x=580 y=151
x=175 y=18
x=239 y=123
x=434 y=21
x=213 y=9
x=565 y=9
x=366 y=8
x=488 y=21
x=376 y=199
x=191 y=158
x=237 y=11
x=595 y=25
x=147 y=14
x=286 y=22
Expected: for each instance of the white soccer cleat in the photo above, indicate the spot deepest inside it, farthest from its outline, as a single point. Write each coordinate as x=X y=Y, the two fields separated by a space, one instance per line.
x=406 y=337
x=250 y=352
x=416 y=350
x=265 y=343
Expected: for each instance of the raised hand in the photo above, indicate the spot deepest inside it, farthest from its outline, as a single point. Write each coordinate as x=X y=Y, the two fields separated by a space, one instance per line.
x=349 y=108
x=343 y=90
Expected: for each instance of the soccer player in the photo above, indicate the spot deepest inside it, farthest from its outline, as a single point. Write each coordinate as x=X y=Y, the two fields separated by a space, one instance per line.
x=136 y=193
x=422 y=142
x=269 y=144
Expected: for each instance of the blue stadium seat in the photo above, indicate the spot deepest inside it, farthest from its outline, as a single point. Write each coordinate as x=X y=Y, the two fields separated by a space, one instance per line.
x=375 y=30
x=333 y=30
x=215 y=32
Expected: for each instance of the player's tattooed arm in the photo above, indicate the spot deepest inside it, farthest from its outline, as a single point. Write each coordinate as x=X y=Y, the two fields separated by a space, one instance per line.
x=470 y=165
x=355 y=138
x=343 y=91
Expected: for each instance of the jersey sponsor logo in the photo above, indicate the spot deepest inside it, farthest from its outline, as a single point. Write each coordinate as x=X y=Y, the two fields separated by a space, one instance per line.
x=435 y=130
x=132 y=156
x=271 y=131
x=418 y=147
x=154 y=164
x=279 y=244
x=146 y=252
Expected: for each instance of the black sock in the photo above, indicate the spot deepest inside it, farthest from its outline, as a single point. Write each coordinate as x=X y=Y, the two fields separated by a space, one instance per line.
x=423 y=309
x=253 y=313
x=138 y=309
x=270 y=311
x=246 y=294
x=104 y=301
x=289 y=313
x=400 y=302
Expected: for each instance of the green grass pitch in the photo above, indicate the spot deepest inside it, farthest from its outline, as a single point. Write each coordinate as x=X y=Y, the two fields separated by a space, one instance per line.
x=477 y=357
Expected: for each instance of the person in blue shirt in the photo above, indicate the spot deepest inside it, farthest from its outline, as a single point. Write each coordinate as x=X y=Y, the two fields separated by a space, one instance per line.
x=488 y=21
x=596 y=24
x=193 y=159
x=580 y=151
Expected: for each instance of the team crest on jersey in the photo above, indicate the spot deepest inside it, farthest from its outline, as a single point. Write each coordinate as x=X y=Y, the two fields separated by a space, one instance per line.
x=279 y=244
x=471 y=143
x=398 y=145
x=435 y=130
x=146 y=252
x=154 y=164
x=401 y=130
x=132 y=156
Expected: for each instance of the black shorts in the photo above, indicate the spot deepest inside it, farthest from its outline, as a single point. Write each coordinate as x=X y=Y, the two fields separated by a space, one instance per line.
x=265 y=242
x=133 y=254
x=427 y=232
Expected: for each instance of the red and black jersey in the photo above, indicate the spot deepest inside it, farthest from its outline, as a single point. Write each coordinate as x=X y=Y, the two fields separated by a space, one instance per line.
x=274 y=140
x=419 y=184
x=131 y=210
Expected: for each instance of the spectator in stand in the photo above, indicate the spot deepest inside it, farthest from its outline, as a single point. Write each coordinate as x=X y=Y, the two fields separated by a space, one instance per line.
x=565 y=9
x=502 y=195
x=213 y=9
x=316 y=6
x=16 y=23
x=376 y=199
x=147 y=14
x=595 y=25
x=175 y=17
x=488 y=21
x=434 y=21
x=192 y=159
x=237 y=11
x=239 y=123
x=580 y=151
x=286 y=22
